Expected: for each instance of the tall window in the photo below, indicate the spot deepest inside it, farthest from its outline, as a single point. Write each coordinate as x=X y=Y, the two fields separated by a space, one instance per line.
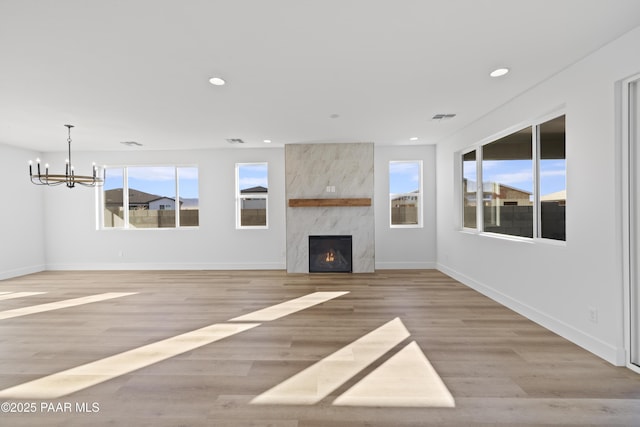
x=113 y=201
x=469 y=189
x=150 y=197
x=405 y=193
x=507 y=185
x=523 y=190
x=189 y=212
x=553 y=187
x=252 y=189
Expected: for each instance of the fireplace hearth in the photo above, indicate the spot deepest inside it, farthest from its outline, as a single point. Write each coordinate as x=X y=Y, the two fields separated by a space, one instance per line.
x=330 y=254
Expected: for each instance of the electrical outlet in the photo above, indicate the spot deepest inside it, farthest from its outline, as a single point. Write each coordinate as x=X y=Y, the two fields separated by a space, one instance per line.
x=592 y=314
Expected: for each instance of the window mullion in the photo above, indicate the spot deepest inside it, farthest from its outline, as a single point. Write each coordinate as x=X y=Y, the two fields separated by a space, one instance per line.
x=535 y=141
x=479 y=191
x=125 y=196
x=176 y=205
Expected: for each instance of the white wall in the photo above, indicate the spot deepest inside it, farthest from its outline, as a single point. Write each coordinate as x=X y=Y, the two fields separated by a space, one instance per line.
x=74 y=243
x=555 y=284
x=405 y=247
x=21 y=216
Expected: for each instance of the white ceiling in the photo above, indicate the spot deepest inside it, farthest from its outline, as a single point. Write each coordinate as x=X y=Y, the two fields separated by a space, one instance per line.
x=132 y=70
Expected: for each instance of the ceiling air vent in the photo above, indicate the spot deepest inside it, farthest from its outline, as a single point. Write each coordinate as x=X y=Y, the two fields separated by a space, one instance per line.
x=131 y=143
x=443 y=116
x=235 y=141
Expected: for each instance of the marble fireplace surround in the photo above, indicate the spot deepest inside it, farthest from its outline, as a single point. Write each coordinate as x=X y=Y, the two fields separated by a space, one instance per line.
x=346 y=170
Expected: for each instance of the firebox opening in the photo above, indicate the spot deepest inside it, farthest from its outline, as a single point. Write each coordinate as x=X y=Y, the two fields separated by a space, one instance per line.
x=330 y=254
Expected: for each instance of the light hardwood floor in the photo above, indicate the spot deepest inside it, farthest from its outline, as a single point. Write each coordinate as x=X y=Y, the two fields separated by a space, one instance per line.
x=499 y=368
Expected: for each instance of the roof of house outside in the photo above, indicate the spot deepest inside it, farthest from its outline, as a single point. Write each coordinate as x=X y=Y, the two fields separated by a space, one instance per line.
x=489 y=186
x=257 y=189
x=136 y=197
x=554 y=197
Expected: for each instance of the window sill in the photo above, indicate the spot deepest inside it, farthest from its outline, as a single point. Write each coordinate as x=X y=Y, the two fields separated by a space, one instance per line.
x=517 y=239
x=148 y=229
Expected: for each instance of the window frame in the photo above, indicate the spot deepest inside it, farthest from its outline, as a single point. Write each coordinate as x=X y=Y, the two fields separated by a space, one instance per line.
x=535 y=146
x=125 y=198
x=240 y=197
x=420 y=198
x=479 y=216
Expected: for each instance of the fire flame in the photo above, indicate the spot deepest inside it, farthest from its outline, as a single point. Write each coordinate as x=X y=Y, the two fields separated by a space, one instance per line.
x=331 y=257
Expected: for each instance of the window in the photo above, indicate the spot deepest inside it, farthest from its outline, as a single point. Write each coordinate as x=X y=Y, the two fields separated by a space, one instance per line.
x=553 y=187
x=507 y=176
x=523 y=190
x=154 y=197
x=469 y=189
x=251 y=195
x=113 y=211
x=189 y=211
x=405 y=193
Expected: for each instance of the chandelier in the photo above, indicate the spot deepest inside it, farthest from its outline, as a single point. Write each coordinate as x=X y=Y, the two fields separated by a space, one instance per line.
x=70 y=179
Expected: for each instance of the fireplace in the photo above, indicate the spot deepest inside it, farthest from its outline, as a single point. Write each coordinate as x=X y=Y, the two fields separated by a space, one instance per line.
x=330 y=254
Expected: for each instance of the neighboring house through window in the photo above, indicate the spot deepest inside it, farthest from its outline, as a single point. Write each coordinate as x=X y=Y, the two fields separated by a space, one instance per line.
x=405 y=193
x=137 y=197
x=252 y=191
x=523 y=177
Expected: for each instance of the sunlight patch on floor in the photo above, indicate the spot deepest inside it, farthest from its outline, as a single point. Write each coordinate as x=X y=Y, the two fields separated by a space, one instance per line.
x=289 y=307
x=17 y=312
x=12 y=295
x=406 y=379
x=319 y=380
x=78 y=378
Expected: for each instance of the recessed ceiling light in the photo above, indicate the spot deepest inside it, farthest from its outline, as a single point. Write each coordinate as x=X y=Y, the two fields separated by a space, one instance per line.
x=216 y=81
x=413 y=138
x=499 y=72
x=267 y=141
x=334 y=116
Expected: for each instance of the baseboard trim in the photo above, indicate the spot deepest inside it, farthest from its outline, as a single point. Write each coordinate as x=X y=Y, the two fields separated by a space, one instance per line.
x=9 y=274
x=166 y=266
x=405 y=265
x=608 y=352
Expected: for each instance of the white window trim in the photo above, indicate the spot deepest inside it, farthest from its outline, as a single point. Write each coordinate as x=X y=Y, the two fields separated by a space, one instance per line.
x=479 y=230
x=125 y=199
x=625 y=155
x=478 y=181
x=240 y=197
x=420 y=201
